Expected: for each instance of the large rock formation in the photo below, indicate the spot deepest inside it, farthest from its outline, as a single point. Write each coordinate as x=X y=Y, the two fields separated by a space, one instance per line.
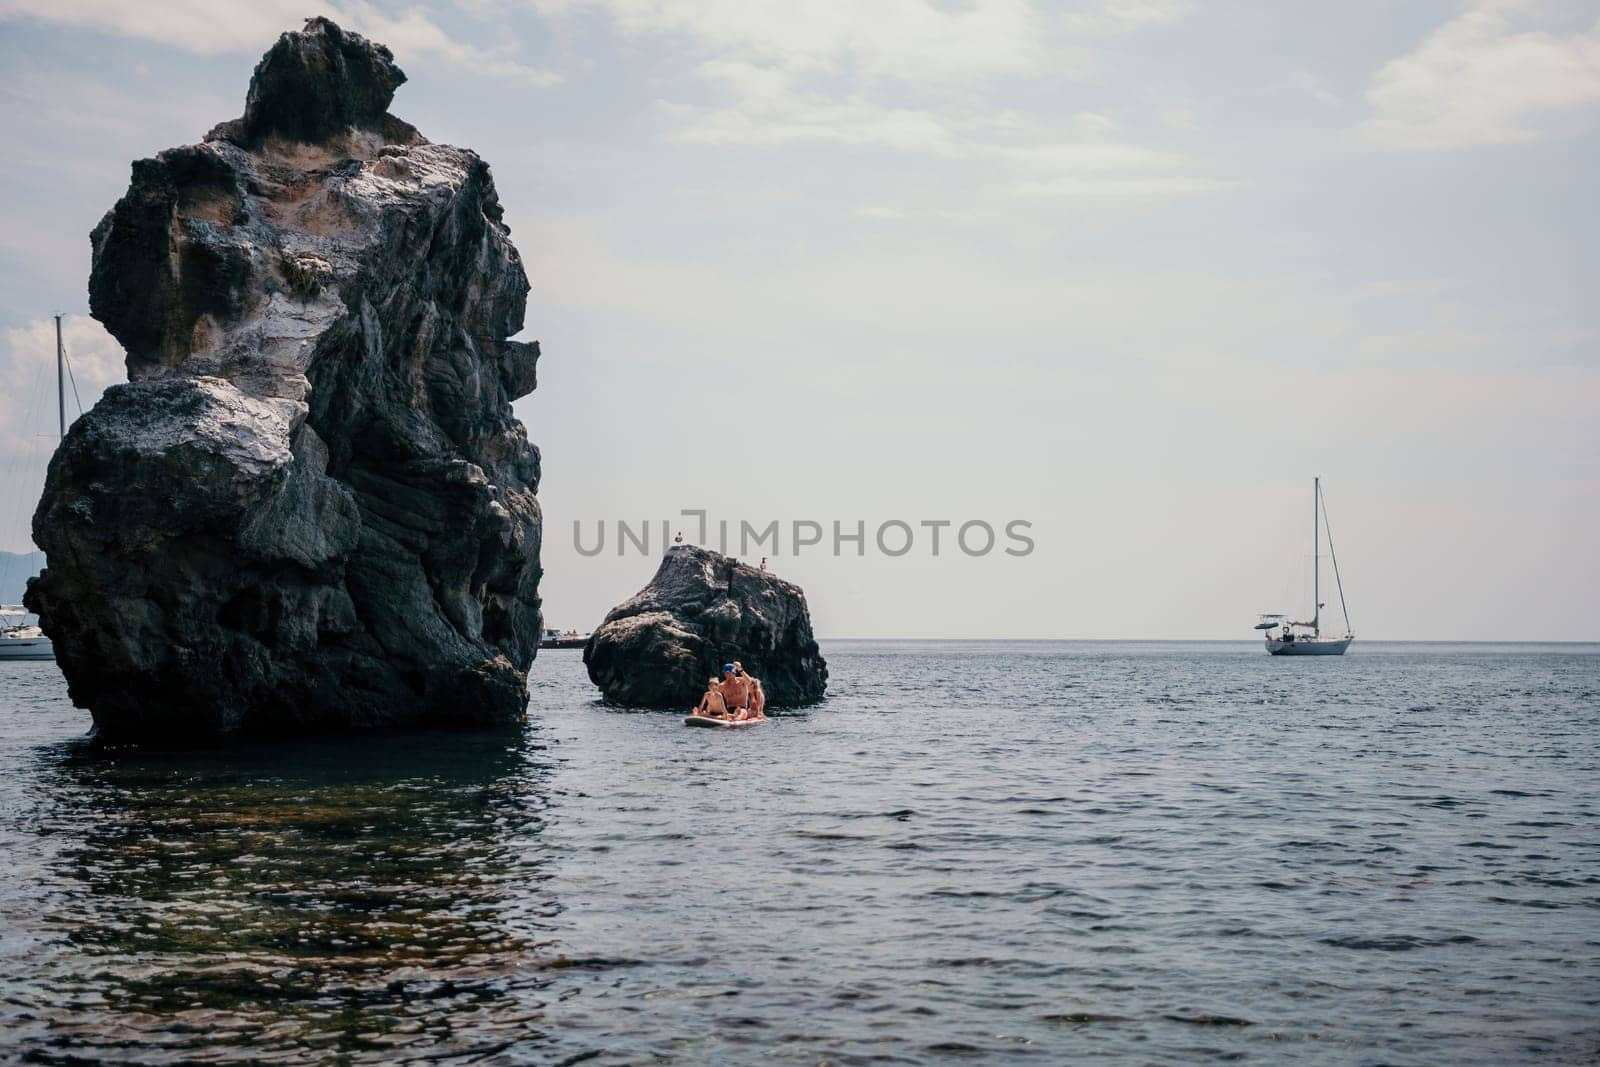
x=311 y=506
x=702 y=610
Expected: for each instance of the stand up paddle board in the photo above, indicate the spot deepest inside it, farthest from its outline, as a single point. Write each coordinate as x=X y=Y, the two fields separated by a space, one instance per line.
x=718 y=724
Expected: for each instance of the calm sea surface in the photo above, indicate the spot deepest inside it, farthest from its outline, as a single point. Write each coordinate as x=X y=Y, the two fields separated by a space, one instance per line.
x=995 y=853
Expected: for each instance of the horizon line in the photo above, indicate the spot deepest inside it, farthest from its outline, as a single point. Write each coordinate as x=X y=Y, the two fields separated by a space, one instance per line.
x=1224 y=640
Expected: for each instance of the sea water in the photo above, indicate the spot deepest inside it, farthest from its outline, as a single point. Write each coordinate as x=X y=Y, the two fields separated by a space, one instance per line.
x=971 y=852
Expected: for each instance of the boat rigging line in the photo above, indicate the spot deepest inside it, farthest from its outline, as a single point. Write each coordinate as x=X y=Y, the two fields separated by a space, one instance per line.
x=1328 y=530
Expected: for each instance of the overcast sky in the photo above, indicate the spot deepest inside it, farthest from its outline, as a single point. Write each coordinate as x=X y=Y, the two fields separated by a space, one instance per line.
x=1130 y=270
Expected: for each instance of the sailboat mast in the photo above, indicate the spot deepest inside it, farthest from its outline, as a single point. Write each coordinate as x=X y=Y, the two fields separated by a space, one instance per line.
x=61 y=390
x=1316 y=577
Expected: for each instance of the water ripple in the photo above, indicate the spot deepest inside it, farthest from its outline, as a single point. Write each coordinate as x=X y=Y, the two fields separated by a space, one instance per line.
x=1027 y=853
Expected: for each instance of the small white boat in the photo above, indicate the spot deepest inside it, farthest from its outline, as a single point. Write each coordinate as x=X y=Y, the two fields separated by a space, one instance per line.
x=22 y=640
x=1286 y=637
x=562 y=639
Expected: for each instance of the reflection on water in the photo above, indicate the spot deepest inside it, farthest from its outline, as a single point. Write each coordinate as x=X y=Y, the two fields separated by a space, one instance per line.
x=343 y=895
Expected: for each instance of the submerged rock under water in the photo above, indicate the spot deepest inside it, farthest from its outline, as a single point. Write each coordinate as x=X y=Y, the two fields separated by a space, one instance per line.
x=311 y=506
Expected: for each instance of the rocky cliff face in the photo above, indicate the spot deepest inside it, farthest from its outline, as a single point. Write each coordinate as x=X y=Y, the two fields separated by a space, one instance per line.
x=311 y=506
x=702 y=610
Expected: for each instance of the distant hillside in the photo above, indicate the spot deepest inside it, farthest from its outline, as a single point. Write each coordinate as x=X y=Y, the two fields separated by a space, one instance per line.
x=15 y=570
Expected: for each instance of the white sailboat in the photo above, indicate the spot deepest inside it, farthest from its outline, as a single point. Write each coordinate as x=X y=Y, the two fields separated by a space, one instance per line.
x=1286 y=637
x=19 y=638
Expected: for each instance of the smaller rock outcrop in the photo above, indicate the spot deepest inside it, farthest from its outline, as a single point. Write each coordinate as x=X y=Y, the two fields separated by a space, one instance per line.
x=702 y=610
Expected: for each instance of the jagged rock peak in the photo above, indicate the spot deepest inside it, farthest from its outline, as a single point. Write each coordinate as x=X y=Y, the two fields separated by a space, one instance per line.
x=315 y=86
x=311 y=507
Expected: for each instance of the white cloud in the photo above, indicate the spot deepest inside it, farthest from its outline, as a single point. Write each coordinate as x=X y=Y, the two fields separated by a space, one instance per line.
x=413 y=33
x=1495 y=74
x=1155 y=185
x=46 y=99
x=909 y=76
x=210 y=27
x=1090 y=156
x=1082 y=156
x=925 y=44
x=1313 y=87
x=905 y=40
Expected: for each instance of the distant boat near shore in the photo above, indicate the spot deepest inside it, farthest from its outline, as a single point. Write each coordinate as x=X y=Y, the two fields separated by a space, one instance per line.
x=1286 y=637
x=563 y=639
x=20 y=639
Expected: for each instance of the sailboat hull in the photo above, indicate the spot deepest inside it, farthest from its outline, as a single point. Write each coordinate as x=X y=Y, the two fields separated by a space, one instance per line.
x=1309 y=646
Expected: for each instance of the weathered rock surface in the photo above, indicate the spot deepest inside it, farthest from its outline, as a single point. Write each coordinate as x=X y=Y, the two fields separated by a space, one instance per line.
x=311 y=506
x=702 y=610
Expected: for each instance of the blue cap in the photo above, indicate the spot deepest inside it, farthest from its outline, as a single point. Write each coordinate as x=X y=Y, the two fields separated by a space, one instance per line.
x=727 y=668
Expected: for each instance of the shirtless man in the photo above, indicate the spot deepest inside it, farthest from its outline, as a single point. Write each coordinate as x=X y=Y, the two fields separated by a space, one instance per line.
x=757 y=697
x=737 y=691
x=712 y=705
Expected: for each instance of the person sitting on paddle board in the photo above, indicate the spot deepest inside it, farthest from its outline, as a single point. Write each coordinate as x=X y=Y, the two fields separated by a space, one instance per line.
x=712 y=705
x=737 y=690
x=758 y=695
